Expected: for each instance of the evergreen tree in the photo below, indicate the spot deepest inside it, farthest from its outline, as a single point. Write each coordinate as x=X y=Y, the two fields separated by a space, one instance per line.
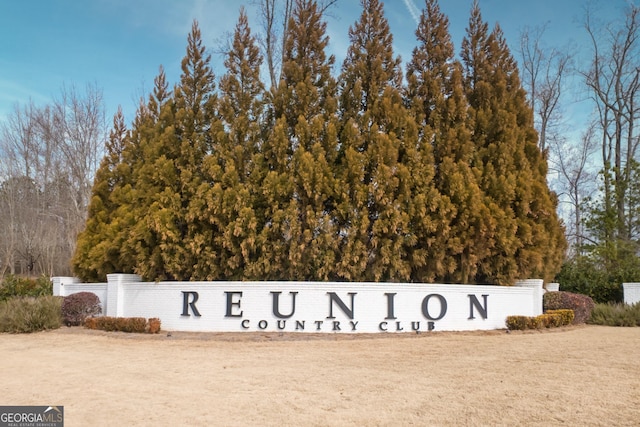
x=96 y=252
x=437 y=99
x=198 y=130
x=373 y=212
x=229 y=199
x=152 y=200
x=123 y=196
x=174 y=139
x=529 y=239
x=299 y=237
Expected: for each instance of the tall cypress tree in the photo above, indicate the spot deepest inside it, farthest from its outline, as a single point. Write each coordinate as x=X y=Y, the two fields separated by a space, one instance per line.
x=152 y=197
x=197 y=129
x=437 y=99
x=129 y=211
x=175 y=142
x=298 y=240
x=228 y=200
x=373 y=211
x=96 y=252
x=513 y=169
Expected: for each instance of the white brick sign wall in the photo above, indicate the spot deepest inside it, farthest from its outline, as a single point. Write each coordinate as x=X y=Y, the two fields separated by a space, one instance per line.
x=332 y=307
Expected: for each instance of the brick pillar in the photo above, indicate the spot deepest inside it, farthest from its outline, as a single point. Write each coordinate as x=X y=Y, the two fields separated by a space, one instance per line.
x=631 y=293
x=115 y=300
x=536 y=285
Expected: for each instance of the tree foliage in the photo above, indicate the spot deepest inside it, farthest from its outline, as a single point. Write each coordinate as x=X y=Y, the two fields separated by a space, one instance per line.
x=363 y=177
x=513 y=169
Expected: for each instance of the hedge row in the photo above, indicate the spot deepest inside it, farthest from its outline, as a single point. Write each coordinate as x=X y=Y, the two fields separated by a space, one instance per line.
x=124 y=324
x=550 y=319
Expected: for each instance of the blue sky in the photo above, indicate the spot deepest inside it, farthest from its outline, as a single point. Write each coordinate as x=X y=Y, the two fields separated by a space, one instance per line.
x=119 y=44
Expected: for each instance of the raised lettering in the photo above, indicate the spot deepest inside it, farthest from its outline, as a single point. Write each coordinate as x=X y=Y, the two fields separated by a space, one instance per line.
x=276 y=305
x=245 y=324
x=390 y=307
x=333 y=297
x=353 y=325
x=425 y=306
x=186 y=303
x=231 y=304
x=473 y=302
x=383 y=326
x=300 y=325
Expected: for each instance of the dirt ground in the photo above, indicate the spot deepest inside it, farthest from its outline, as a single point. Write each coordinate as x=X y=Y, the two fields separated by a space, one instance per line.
x=586 y=375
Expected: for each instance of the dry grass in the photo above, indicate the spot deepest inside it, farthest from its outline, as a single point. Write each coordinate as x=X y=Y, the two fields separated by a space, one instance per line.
x=586 y=375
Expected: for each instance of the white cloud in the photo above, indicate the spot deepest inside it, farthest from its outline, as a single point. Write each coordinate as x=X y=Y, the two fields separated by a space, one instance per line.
x=413 y=10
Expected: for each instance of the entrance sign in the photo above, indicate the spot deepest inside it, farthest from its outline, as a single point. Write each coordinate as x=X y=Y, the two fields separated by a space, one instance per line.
x=313 y=307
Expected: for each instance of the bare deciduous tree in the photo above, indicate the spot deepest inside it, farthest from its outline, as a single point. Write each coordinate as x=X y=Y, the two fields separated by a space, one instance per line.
x=49 y=156
x=275 y=15
x=572 y=162
x=613 y=79
x=544 y=71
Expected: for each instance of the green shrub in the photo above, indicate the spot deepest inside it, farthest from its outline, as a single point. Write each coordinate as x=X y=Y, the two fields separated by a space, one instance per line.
x=16 y=286
x=77 y=307
x=588 y=276
x=30 y=314
x=123 y=324
x=616 y=315
x=581 y=305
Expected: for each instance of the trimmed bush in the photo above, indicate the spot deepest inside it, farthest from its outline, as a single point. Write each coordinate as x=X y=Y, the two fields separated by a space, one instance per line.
x=77 y=307
x=563 y=317
x=551 y=319
x=581 y=305
x=30 y=314
x=517 y=323
x=132 y=324
x=16 y=286
x=547 y=320
x=153 y=326
x=123 y=324
x=535 y=322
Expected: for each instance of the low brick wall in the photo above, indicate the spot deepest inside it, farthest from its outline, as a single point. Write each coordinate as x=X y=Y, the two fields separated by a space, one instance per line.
x=335 y=307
